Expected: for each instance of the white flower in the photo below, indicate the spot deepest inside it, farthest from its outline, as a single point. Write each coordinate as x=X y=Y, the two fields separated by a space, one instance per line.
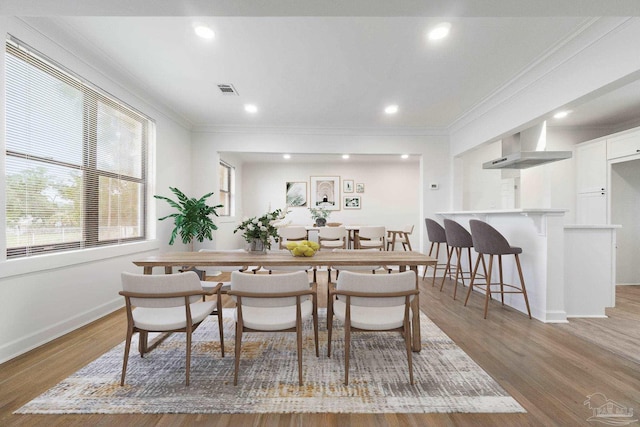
x=263 y=228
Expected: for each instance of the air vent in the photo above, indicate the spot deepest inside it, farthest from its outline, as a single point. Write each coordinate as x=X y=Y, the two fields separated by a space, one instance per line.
x=228 y=90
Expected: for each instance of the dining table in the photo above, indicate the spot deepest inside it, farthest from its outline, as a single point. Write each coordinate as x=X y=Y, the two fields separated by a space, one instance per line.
x=404 y=260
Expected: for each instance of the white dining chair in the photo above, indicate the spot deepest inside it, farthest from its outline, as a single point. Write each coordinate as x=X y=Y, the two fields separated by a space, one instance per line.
x=371 y=237
x=332 y=237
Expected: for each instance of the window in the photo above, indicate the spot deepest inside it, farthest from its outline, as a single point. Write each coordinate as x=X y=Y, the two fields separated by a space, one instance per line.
x=75 y=160
x=226 y=189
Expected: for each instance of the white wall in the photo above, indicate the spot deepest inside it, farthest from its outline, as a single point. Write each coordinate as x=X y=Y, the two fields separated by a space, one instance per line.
x=625 y=211
x=481 y=187
x=433 y=150
x=47 y=296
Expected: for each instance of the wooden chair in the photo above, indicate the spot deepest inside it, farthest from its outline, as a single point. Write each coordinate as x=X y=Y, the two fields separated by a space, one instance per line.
x=292 y=233
x=371 y=237
x=332 y=237
x=372 y=303
x=400 y=236
x=436 y=235
x=488 y=241
x=270 y=303
x=166 y=303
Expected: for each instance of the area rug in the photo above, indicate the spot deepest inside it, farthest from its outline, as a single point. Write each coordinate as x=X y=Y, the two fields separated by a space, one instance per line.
x=446 y=379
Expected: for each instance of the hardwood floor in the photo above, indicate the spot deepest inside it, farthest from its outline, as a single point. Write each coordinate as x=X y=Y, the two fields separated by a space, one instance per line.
x=549 y=369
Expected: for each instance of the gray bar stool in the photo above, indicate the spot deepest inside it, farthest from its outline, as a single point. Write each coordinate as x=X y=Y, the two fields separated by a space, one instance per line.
x=458 y=238
x=487 y=240
x=436 y=235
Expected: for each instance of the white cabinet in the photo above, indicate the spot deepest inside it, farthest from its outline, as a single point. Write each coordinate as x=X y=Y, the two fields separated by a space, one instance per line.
x=624 y=145
x=592 y=208
x=591 y=180
x=591 y=166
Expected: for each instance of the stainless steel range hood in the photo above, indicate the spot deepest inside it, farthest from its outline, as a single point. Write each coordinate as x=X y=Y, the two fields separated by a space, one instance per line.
x=526 y=149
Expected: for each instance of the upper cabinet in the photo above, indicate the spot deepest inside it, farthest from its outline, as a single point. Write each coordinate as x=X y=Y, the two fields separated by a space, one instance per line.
x=591 y=166
x=627 y=144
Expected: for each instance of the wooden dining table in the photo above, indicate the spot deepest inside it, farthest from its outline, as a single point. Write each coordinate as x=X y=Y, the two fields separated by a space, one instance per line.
x=403 y=259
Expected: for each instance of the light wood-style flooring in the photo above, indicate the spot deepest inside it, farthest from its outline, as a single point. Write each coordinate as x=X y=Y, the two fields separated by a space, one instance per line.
x=549 y=369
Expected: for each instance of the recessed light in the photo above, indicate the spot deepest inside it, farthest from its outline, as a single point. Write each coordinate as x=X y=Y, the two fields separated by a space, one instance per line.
x=391 y=109
x=404 y=156
x=440 y=31
x=286 y=156
x=561 y=114
x=204 y=32
x=345 y=156
x=250 y=108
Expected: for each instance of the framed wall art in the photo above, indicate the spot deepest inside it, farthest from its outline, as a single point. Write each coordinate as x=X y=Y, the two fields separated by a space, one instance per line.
x=360 y=187
x=325 y=192
x=352 y=202
x=296 y=194
x=347 y=186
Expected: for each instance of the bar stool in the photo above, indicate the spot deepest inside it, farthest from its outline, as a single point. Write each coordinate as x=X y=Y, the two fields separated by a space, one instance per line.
x=436 y=235
x=487 y=240
x=458 y=238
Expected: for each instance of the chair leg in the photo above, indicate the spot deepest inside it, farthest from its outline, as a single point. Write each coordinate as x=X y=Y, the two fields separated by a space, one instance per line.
x=488 y=288
x=347 y=344
x=299 y=341
x=220 y=324
x=425 y=269
x=458 y=270
x=127 y=348
x=447 y=268
x=188 y=369
x=329 y=326
x=524 y=289
x=407 y=342
x=501 y=279
x=435 y=267
x=237 y=352
x=473 y=278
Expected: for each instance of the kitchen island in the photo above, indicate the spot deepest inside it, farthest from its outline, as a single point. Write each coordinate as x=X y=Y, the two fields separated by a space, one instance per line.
x=569 y=271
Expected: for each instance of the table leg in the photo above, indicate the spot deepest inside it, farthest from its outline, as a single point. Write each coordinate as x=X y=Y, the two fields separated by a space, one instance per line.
x=147 y=270
x=416 y=344
x=168 y=269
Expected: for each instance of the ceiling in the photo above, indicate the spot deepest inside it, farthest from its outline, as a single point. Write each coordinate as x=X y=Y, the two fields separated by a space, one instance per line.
x=333 y=70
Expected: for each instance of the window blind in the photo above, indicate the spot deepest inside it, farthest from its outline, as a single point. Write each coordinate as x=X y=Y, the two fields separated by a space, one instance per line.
x=75 y=160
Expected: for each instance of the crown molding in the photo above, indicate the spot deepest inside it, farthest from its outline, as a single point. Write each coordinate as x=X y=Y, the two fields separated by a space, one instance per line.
x=346 y=131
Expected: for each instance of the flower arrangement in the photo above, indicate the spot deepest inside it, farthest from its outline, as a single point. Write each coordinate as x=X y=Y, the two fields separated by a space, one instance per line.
x=261 y=228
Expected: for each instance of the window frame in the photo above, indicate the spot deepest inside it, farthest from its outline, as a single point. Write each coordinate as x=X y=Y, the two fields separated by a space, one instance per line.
x=92 y=96
x=228 y=204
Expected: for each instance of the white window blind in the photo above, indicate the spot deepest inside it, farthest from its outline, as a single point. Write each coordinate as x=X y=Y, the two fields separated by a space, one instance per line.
x=226 y=177
x=75 y=160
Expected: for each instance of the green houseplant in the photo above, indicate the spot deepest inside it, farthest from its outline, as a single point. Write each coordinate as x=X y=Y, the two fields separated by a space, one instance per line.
x=193 y=219
x=319 y=215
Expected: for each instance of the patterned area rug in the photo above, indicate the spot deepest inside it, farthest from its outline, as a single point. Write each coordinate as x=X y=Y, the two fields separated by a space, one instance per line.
x=447 y=380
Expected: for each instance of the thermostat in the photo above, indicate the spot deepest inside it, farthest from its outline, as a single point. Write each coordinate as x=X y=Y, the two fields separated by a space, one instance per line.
x=433 y=186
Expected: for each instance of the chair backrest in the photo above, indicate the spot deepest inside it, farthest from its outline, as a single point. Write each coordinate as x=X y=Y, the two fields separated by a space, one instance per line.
x=161 y=284
x=376 y=284
x=407 y=229
x=292 y=232
x=435 y=232
x=333 y=233
x=488 y=240
x=373 y=233
x=269 y=284
x=457 y=235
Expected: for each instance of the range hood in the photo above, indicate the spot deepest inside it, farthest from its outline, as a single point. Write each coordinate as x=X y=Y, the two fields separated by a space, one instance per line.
x=526 y=149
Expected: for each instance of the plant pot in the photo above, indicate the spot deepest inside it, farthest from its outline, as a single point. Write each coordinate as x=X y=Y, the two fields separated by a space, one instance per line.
x=321 y=222
x=257 y=246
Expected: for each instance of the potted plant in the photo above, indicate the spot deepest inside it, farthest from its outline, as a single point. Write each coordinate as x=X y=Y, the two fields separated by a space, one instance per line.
x=193 y=219
x=319 y=215
x=258 y=231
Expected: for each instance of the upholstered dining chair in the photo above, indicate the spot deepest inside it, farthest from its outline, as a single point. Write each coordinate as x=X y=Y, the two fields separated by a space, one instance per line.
x=371 y=237
x=291 y=233
x=402 y=237
x=332 y=237
x=458 y=239
x=166 y=303
x=268 y=303
x=372 y=303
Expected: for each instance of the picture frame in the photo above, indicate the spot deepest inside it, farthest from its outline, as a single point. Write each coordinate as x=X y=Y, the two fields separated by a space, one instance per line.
x=325 y=192
x=351 y=202
x=296 y=194
x=360 y=187
x=347 y=186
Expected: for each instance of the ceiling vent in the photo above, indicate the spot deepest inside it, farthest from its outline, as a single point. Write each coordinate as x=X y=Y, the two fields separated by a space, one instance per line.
x=228 y=90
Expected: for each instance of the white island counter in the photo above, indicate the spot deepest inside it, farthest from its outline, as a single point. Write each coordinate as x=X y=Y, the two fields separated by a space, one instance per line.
x=569 y=271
